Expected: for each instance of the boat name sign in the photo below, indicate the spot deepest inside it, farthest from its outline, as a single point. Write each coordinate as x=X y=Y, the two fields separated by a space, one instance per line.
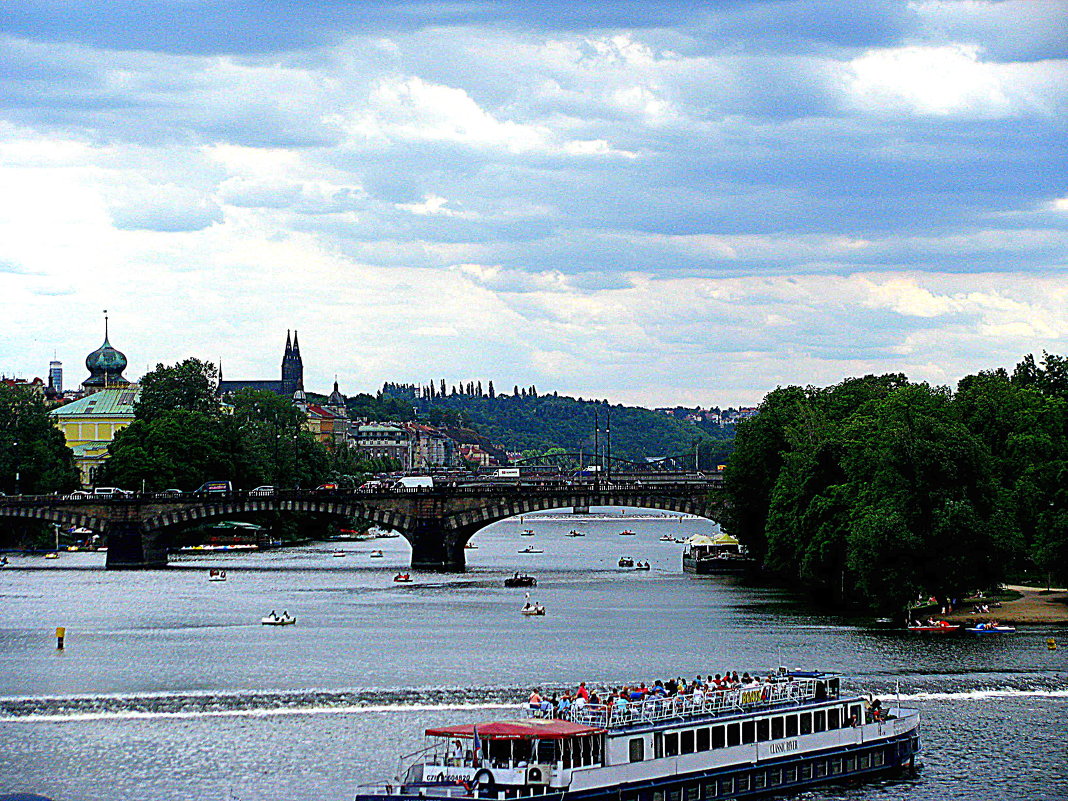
x=750 y=696
x=782 y=748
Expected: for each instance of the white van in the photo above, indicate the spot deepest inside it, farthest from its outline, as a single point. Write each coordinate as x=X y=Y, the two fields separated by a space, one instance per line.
x=111 y=492
x=414 y=482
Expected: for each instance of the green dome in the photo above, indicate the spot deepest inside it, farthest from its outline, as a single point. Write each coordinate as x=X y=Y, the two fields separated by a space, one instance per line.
x=105 y=366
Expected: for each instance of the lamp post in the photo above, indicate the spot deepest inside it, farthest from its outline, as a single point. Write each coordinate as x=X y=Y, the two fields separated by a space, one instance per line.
x=15 y=454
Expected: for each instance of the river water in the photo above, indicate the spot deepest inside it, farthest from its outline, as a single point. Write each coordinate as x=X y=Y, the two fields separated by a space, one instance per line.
x=169 y=688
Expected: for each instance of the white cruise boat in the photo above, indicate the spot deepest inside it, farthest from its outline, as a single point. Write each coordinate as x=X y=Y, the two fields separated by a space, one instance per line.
x=793 y=732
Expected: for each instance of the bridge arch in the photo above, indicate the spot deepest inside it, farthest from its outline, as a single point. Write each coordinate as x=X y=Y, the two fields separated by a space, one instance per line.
x=65 y=517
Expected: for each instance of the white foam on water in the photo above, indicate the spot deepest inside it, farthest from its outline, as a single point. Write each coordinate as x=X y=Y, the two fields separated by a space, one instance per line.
x=978 y=695
x=281 y=711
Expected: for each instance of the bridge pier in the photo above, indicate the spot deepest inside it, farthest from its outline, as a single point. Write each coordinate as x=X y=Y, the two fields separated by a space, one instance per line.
x=435 y=547
x=132 y=548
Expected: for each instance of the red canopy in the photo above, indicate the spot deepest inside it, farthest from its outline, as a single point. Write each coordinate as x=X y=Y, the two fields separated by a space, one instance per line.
x=528 y=729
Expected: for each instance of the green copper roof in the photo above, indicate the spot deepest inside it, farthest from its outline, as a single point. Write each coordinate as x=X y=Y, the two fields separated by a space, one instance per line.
x=105 y=403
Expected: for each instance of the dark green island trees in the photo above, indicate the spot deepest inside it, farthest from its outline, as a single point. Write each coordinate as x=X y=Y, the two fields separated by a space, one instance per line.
x=876 y=491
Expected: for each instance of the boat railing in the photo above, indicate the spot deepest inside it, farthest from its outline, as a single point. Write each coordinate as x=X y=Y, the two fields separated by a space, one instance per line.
x=716 y=702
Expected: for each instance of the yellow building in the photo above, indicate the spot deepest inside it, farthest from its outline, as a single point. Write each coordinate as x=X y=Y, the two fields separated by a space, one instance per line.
x=89 y=425
x=91 y=422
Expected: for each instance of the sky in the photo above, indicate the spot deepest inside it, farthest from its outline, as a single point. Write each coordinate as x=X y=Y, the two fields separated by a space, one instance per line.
x=655 y=203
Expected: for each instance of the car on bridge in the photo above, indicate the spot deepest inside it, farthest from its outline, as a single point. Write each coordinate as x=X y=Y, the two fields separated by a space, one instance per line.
x=111 y=492
x=265 y=489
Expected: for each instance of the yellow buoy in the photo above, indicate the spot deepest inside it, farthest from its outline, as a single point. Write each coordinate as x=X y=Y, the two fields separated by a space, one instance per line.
x=61 y=634
x=1051 y=644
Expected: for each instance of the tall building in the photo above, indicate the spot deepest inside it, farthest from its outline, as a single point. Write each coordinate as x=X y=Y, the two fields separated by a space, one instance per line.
x=55 y=376
x=292 y=374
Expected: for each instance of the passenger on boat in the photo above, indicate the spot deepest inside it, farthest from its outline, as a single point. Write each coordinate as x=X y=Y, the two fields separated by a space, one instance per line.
x=457 y=755
x=582 y=692
x=535 y=699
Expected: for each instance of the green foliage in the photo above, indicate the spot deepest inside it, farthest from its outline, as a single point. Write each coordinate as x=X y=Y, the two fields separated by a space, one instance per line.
x=31 y=446
x=877 y=489
x=188 y=385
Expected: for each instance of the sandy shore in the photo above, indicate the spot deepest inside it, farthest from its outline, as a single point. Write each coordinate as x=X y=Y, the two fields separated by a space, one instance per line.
x=1034 y=606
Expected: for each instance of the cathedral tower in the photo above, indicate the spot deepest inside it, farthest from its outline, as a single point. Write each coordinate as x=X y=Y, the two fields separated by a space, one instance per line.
x=292 y=366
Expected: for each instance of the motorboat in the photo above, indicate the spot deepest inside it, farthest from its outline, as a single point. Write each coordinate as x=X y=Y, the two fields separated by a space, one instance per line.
x=376 y=554
x=520 y=580
x=626 y=561
x=626 y=533
x=990 y=628
x=338 y=553
x=666 y=538
x=528 y=532
x=641 y=566
x=284 y=619
x=216 y=575
x=935 y=627
x=531 y=549
x=403 y=578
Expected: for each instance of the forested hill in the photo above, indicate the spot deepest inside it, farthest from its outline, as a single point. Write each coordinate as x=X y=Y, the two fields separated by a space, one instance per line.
x=526 y=421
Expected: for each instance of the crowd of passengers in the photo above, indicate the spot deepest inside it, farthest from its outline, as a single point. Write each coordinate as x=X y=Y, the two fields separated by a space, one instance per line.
x=695 y=693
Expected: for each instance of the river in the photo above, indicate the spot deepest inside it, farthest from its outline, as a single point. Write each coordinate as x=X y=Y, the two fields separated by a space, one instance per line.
x=169 y=688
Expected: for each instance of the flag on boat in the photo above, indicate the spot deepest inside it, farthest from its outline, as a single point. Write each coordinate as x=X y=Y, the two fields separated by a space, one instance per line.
x=476 y=748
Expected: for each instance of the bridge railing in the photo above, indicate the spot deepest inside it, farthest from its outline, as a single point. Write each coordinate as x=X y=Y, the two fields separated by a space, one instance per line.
x=647 y=485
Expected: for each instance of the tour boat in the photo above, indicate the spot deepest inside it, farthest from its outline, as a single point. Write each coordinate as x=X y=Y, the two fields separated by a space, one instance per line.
x=531 y=549
x=520 y=580
x=990 y=628
x=283 y=619
x=715 y=555
x=216 y=575
x=402 y=578
x=792 y=732
x=626 y=561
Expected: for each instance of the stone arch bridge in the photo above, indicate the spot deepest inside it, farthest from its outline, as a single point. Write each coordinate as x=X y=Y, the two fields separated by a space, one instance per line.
x=437 y=521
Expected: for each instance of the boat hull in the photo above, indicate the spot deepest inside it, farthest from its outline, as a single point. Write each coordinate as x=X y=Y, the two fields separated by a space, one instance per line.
x=789 y=774
x=712 y=567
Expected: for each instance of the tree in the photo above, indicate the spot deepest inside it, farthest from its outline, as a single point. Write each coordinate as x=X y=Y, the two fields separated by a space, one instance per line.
x=188 y=385
x=492 y=393
x=34 y=458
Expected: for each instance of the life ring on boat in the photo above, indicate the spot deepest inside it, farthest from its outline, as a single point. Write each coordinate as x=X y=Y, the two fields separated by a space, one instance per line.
x=534 y=774
x=483 y=780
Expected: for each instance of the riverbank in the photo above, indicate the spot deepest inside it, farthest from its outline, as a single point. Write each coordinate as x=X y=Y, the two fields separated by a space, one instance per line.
x=1035 y=606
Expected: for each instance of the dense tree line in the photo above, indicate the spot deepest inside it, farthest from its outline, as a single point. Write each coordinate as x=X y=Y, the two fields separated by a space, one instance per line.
x=877 y=490
x=523 y=420
x=181 y=437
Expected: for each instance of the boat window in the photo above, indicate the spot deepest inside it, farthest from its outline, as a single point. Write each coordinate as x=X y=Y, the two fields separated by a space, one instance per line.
x=674 y=795
x=789 y=775
x=718 y=737
x=776 y=728
x=748 y=732
x=658 y=795
x=821 y=769
x=686 y=745
x=819 y=721
x=836 y=766
x=832 y=718
x=658 y=745
x=759 y=780
x=806 y=772
x=693 y=792
x=742 y=783
x=774 y=777
x=854 y=713
x=710 y=789
x=728 y=785
x=806 y=723
x=637 y=749
x=733 y=735
x=791 y=725
x=763 y=729
x=671 y=744
x=702 y=739
x=878 y=759
x=864 y=761
x=850 y=764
